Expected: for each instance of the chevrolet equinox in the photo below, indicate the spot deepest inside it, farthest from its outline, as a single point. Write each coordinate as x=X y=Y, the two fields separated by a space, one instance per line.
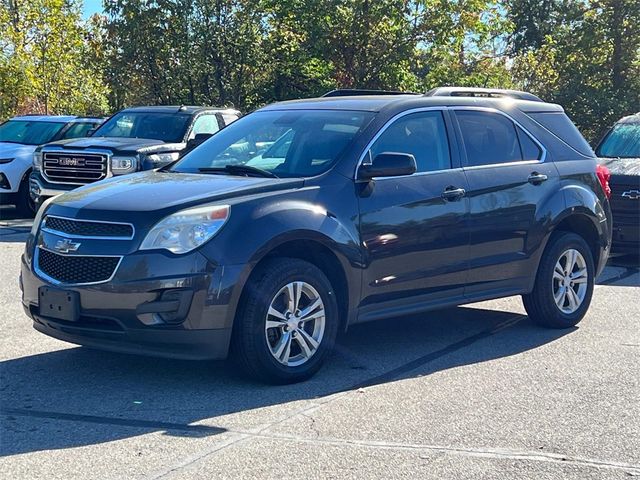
x=308 y=216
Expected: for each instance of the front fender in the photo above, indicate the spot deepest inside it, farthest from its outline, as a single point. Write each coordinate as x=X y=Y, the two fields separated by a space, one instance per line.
x=271 y=221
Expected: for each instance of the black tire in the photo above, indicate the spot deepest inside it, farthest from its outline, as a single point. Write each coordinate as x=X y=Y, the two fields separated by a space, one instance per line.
x=25 y=205
x=540 y=303
x=249 y=343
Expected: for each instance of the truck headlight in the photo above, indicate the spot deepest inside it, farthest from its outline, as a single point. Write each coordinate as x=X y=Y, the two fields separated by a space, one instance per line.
x=162 y=158
x=37 y=161
x=187 y=229
x=122 y=165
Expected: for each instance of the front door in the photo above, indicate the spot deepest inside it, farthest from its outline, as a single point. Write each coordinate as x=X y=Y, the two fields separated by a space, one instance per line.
x=413 y=228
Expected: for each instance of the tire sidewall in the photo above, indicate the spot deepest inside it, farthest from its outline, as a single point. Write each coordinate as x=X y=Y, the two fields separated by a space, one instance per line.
x=264 y=294
x=562 y=244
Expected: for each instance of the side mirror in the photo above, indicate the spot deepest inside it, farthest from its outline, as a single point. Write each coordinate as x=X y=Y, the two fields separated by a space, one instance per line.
x=388 y=164
x=197 y=140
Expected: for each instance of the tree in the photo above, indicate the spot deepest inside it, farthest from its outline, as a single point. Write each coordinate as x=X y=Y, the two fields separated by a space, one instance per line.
x=590 y=66
x=44 y=59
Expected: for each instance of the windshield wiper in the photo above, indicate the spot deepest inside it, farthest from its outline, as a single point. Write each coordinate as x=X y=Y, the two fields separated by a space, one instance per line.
x=245 y=170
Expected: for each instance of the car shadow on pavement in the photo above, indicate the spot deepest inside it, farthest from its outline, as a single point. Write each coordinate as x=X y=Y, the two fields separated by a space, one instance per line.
x=13 y=228
x=77 y=396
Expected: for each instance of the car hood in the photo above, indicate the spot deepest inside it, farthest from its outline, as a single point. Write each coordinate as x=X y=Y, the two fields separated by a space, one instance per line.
x=161 y=191
x=16 y=150
x=622 y=166
x=115 y=144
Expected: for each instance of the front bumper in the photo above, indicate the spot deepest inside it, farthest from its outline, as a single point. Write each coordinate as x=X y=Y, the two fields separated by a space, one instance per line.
x=118 y=315
x=40 y=189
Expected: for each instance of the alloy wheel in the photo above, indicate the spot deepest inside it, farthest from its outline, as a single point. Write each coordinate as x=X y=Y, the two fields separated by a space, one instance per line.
x=295 y=324
x=570 y=277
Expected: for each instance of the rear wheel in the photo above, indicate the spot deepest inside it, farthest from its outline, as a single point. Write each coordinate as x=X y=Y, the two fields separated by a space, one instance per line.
x=564 y=283
x=288 y=322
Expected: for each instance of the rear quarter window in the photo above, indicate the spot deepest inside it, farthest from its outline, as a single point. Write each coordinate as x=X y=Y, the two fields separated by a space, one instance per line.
x=559 y=124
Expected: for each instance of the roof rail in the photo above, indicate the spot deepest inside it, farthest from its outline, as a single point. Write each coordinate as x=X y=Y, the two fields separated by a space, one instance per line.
x=481 y=92
x=348 y=92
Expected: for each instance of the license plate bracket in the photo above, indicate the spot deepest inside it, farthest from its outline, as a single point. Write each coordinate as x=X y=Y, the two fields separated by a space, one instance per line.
x=60 y=304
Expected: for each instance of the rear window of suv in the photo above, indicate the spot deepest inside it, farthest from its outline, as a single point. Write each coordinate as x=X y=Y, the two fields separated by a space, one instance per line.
x=559 y=125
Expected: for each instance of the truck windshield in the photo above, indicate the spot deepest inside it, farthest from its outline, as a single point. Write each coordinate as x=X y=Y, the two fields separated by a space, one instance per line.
x=29 y=132
x=623 y=141
x=292 y=143
x=168 y=127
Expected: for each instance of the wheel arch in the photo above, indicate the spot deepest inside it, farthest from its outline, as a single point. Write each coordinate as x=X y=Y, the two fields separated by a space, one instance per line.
x=316 y=249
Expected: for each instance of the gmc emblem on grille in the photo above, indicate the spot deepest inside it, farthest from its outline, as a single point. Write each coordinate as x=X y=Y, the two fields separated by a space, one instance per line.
x=632 y=194
x=70 y=162
x=66 y=246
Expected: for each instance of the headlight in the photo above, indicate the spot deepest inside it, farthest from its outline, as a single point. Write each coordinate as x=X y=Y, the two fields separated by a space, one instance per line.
x=122 y=165
x=163 y=157
x=37 y=161
x=188 y=229
x=6 y=160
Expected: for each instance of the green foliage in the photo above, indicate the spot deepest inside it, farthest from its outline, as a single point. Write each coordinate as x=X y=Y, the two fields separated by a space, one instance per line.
x=583 y=54
x=43 y=59
x=590 y=66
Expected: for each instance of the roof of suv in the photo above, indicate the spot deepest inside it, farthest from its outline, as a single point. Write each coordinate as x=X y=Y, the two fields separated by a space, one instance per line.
x=375 y=103
x=56 y=118
x=189 y=109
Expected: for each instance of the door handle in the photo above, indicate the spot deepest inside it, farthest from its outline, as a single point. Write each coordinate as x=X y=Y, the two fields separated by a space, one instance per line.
x=451 y=193
x=537 y=178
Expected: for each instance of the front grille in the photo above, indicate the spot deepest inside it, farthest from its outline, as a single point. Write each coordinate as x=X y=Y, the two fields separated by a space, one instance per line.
x=77 y=168
x=86 y=228
x=76 y=268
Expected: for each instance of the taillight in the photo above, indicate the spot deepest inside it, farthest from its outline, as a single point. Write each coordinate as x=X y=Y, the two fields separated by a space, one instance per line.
x=604 y=175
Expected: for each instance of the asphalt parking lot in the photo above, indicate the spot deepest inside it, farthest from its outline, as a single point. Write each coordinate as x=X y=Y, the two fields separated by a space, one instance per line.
x=474 y=392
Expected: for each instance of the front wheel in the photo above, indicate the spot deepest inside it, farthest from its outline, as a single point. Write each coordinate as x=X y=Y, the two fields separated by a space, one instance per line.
x=564 y=283
x=25 y=205
x=288 y=322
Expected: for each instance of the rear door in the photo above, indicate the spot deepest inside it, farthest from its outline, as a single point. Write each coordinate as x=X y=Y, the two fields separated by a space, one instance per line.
x=508 y=180
x=413 y=231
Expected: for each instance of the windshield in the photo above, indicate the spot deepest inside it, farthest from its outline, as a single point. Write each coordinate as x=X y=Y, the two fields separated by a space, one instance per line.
x=295 y=143
x=168 y=127
x=29 y=132
x=623 y=141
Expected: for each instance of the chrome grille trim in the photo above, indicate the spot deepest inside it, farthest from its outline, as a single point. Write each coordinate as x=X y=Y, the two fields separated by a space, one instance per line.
x=96 y=166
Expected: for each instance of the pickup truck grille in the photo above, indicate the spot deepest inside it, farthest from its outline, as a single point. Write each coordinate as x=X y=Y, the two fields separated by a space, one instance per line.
x=76 y=168
x=75 y=269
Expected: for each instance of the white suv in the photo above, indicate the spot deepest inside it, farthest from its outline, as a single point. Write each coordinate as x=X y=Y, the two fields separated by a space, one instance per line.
x=19 y=137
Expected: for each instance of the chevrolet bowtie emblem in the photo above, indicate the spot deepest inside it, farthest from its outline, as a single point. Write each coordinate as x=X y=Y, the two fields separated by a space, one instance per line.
x=632 y=194
x=66 y=246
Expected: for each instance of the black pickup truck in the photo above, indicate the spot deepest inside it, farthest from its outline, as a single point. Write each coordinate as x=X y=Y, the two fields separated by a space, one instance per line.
x=134 y=139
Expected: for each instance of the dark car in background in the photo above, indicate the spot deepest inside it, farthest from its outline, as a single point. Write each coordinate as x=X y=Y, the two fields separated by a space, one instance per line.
x=619 y=151
x=19 y=137
x=132 y=140
x=308 y=216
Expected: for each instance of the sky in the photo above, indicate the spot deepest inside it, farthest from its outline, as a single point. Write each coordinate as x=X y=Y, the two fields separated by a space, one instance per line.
x=91 y=7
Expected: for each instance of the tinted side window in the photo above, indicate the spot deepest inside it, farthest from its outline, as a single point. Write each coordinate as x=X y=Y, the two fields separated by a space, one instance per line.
x=423 y=135
x=488 y=138
x=78 y=130
x=530 y=150
x=559 y=124
x=205 y=124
